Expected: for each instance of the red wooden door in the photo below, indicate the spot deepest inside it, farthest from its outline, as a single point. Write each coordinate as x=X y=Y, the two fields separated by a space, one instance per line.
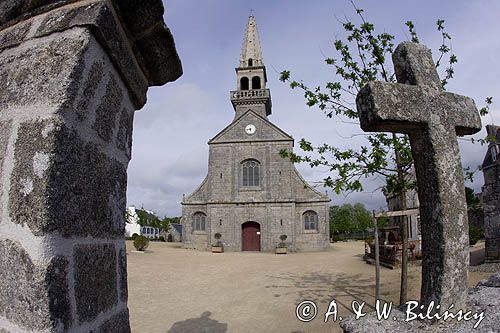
x=250 y=236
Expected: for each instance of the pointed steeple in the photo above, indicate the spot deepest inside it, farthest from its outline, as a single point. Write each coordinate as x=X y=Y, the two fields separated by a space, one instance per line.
x=251 y=54
x=251 y=76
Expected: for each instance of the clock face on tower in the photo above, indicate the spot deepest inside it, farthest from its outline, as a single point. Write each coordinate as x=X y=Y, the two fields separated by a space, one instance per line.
x=250 y=129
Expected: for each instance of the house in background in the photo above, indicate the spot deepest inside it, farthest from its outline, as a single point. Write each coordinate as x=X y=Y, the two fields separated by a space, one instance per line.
x=413 y=221
x=491 y=195
x=174 y=233
x=132 y=225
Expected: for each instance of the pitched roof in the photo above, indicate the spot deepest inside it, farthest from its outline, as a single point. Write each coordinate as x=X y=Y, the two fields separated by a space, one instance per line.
x=493 y=151
x=233 y=132
x=177 y=227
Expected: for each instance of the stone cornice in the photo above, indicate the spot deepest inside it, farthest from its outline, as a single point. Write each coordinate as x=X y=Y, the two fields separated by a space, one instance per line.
x=135 y=37
x=253 y=202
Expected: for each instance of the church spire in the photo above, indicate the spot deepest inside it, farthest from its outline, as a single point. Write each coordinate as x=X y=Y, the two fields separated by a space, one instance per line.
x=251 y=54
x=251 y=93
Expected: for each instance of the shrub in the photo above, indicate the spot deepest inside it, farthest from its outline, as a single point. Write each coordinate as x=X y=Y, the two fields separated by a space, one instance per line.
x=161 y=239
x=141 y=243
x=217 y=236
x=475 y=234
x=283 y=239
x=134 y=235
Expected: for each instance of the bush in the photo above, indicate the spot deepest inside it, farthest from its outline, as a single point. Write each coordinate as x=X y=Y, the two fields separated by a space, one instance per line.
x=283 y=239
x=134 y=235
x=475 y=234
x=141 y=243
x=161 y=239
x=217 y=236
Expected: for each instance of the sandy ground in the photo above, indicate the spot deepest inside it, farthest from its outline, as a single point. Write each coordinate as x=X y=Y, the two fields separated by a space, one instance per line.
x=177 y=290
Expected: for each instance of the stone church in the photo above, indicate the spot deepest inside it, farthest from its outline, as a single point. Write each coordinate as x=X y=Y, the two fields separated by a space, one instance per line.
x=251 y=194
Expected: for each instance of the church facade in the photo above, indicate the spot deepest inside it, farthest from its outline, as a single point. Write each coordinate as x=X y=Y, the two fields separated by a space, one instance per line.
x=251 y=195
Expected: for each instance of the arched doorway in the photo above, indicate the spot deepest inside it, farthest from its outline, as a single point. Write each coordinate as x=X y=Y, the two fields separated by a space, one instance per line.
x=250 y=236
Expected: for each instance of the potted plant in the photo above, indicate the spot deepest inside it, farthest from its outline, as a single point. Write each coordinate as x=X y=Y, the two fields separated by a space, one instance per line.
x=217 y=247
x=282 y=247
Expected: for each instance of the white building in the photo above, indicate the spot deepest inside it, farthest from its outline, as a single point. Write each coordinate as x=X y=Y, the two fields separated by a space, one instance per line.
x=133 y=227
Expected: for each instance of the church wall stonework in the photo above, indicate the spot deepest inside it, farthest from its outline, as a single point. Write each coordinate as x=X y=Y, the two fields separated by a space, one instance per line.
x=491 y=195
x=491 y=198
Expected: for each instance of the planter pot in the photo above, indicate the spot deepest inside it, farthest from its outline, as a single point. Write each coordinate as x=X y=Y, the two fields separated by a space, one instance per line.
x=217 y=249
x=281 y=250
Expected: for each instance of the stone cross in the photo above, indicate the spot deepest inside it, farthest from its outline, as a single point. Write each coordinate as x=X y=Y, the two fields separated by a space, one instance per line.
x=418 y=106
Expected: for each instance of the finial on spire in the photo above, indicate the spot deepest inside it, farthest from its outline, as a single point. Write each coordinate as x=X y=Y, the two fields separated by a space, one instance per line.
x=251 y=11
x=251 y=54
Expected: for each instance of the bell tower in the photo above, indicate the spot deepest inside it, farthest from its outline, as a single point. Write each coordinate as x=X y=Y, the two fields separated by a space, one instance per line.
x=251 y=76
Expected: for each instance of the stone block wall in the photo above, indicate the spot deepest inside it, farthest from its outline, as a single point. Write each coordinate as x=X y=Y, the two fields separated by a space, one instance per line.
x=227 y=204
x=312 y=239
x=69 y=86
x=63 y=183
x=275 y=219
x=491 y=206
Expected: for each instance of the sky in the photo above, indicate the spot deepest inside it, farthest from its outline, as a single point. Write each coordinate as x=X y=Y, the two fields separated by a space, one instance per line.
x=170 y=151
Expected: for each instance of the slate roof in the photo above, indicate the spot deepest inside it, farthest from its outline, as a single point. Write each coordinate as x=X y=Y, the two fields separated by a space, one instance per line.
x=177 y=227
x=491 y=156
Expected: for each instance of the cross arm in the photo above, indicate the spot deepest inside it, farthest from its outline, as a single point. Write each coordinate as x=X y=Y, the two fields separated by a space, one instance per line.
x=395 y=107
x=463 y=113
x=391 y=107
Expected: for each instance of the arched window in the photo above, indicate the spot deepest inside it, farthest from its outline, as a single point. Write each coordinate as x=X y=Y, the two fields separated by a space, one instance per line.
x=256 y=82
x=244 y=82
x=250 y=173
x=199 y=221
x=310 y=220
x=250 y=62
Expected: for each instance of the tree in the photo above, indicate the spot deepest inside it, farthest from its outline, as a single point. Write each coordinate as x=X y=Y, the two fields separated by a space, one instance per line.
x=147 y=218
x=473 y=201
x=349 y=218
x=363 y=57
x=166 y=221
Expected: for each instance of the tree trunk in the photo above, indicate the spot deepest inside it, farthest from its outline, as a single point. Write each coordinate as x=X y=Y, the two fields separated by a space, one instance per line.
x=403 y=294
x=377 y=259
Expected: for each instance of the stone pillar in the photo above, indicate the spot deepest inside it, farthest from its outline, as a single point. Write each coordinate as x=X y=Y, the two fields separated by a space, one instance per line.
x=72 y=73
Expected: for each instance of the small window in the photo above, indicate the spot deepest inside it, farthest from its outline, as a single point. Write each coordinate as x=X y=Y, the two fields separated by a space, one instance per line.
x=244 y=83
x=256 y=82
x=250 y=62
x=494 y=153
x=310 y=220
x=250 y=173
x=199 y=221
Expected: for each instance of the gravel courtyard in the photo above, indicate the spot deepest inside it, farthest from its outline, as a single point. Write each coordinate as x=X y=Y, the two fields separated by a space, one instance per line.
x=176 y=290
